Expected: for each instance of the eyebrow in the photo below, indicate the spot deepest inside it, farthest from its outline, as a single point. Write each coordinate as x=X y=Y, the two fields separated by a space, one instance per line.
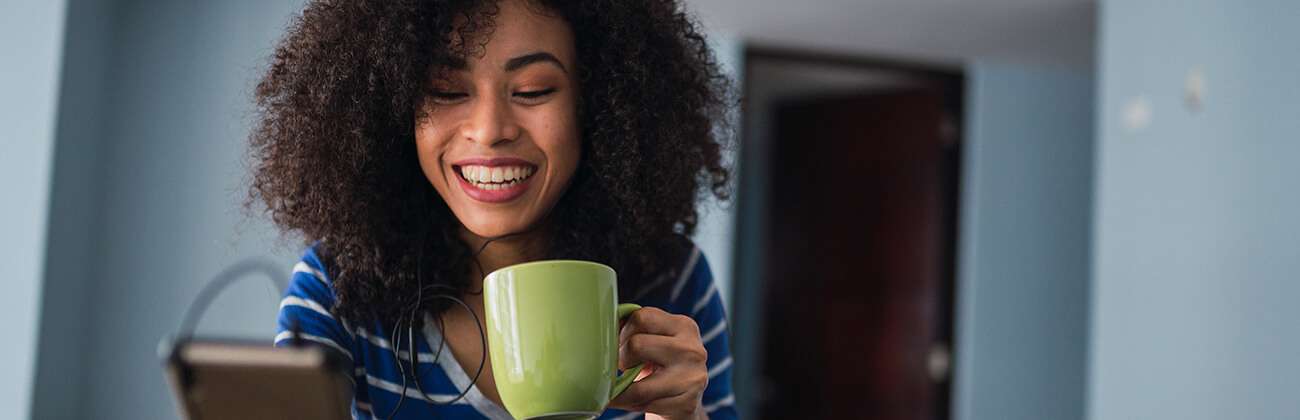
x=537 y=57
x=459 y=63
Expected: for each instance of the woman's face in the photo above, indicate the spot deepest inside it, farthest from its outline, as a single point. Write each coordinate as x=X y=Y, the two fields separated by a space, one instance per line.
x=501 y=139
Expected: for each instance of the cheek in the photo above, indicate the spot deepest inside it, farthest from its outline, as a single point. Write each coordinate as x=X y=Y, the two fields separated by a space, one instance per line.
x=566 y=151
x=428 y=148
x=562 y=143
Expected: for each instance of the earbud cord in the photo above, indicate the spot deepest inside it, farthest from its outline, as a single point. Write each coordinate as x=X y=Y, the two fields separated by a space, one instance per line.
x=413 y=356
x=220 y=282
x=393 y=337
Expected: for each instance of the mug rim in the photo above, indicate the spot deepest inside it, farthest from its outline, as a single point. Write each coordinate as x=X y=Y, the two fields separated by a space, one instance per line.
x=548 y=262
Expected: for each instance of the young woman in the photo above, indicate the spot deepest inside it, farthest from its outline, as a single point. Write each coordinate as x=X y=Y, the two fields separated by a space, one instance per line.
x=417 y=145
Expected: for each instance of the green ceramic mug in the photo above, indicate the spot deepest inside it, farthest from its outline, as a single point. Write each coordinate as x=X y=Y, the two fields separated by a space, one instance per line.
x=552 y=329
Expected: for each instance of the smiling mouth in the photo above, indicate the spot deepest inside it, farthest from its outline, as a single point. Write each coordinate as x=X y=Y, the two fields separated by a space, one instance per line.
x=494 y=178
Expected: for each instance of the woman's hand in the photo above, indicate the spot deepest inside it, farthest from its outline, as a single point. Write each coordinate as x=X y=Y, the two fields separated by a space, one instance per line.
x=675 y=362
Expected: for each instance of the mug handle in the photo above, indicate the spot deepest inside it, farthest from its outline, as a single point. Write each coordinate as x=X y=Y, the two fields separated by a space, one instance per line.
x=623 y=381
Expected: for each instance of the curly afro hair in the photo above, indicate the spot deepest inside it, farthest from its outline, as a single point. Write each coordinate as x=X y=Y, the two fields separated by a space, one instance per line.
x=334 y=157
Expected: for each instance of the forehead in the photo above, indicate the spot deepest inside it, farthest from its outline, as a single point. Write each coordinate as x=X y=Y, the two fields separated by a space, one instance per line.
x=519 y=28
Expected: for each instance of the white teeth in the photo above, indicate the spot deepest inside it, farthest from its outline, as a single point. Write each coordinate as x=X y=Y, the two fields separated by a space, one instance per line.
x=500 y=175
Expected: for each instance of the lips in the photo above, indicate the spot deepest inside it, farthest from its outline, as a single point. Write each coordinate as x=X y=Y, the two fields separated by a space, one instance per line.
x=495 y=180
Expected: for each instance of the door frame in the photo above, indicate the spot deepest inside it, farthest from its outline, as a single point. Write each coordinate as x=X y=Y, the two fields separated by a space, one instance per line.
x=751 y=218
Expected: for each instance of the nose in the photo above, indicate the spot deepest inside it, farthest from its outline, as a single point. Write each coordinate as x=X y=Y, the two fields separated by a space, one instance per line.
x=491 y=121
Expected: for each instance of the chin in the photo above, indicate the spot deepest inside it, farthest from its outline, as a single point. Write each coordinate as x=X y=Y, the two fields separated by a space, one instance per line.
x=495 y=226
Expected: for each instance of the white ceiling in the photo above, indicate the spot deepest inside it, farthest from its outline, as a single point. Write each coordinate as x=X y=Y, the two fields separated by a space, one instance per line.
x=943 y=31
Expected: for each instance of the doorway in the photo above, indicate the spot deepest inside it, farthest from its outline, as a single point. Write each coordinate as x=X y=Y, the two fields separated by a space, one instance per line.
x=851 y=168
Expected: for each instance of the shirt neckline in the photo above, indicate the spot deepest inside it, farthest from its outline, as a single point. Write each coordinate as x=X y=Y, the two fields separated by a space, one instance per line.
x=476 y=399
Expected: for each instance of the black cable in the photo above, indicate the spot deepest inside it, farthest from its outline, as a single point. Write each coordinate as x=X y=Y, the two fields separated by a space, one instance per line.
x=219 y=283
x=482 y=357
x=239 y=270
x=474 y=257
x=412 y=348
x=194 y=312
x=397 y=345
x=442 y=337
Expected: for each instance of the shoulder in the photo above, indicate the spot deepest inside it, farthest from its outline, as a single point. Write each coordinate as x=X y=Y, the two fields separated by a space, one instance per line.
x=311 y=279
x=687 y=279
x=307 y=307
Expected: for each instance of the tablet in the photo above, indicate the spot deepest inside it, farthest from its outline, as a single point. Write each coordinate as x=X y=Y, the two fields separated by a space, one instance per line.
x=248 y=380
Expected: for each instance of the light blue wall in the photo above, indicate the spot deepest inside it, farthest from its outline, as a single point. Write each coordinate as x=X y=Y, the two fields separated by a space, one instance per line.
x=1197 y=236
x=150 y=178
x=31 y=45
x=1024 y=238
x=715 y=231
x=74 y=198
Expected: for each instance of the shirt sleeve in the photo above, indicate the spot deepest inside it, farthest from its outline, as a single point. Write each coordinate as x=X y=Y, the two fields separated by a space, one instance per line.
x=700 y=299
x=306 y=309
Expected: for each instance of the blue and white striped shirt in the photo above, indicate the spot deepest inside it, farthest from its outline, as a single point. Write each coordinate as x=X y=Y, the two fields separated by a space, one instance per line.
x=690 y=291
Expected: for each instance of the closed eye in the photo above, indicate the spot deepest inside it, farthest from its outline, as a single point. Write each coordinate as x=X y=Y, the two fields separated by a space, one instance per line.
x=448 y=97
x=534 y=94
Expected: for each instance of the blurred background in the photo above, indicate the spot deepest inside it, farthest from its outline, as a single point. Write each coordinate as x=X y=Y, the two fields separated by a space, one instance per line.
x=946 y=209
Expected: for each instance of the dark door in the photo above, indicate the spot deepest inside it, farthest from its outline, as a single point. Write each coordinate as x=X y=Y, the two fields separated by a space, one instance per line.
x=859 y=264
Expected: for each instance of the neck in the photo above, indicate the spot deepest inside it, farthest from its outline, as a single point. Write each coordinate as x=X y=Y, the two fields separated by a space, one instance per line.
x=503 y=251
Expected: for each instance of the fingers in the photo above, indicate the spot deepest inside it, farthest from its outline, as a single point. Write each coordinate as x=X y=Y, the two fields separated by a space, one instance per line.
x=642 y=393
x=670 y=346
x=661 y=350
x=669 y=387
x=655 y=321
x=652 y=335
